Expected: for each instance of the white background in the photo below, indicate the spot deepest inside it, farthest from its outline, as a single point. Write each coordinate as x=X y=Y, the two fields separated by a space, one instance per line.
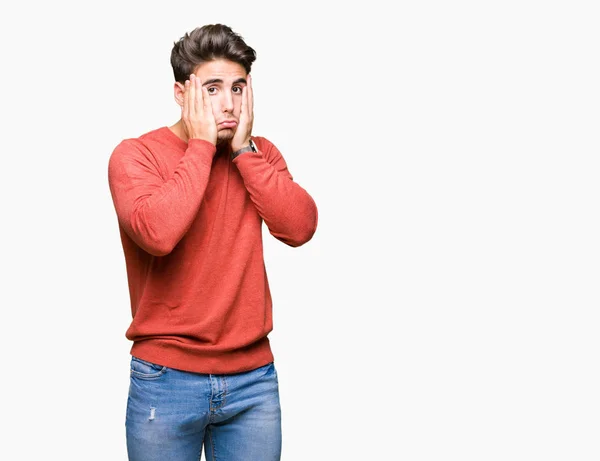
x=446 y=308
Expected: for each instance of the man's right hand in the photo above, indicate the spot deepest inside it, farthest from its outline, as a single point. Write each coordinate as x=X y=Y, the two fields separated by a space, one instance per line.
x=196 y=113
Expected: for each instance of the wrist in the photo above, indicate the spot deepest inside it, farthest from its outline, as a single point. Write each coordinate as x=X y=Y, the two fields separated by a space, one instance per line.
x=235 y=146
x=249 y=147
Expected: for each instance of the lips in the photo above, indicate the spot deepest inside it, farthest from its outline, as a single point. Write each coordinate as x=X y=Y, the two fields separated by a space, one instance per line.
x=228 y=124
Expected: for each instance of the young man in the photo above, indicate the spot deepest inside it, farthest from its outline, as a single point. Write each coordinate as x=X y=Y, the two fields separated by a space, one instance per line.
x=190 y=201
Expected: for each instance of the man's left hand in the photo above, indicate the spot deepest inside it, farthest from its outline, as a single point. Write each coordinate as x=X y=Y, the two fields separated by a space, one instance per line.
x=241 y=138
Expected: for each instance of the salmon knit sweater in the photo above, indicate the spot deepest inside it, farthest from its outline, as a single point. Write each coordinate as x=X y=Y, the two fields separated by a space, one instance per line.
x=190 y=222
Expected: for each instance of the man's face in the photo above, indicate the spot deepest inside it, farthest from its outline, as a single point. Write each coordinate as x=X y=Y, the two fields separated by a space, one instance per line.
x=224 y=81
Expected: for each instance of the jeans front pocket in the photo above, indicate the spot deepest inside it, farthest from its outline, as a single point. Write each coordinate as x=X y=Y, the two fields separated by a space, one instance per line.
x=146 y=370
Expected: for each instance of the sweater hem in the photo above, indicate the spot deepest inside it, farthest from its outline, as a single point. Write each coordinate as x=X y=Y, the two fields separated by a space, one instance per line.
x=184 y=357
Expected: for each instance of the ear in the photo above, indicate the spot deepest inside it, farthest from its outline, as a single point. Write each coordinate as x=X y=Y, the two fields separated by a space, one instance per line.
x=179 y=91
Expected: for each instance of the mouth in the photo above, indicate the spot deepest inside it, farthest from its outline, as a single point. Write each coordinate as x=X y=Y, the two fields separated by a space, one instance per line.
x=228 y=124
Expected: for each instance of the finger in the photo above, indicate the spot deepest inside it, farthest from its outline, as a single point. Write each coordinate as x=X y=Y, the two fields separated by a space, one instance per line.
x=199 y=101
x=192 y=101
x=244 y=105
x=207 y=103
x=185 y=110
x=250 y=96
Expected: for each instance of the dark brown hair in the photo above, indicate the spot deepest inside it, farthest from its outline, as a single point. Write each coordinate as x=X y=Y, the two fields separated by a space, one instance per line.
x=207 y=43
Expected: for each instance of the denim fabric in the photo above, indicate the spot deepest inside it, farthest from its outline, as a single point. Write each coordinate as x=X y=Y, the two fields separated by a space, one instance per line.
x=173 y=414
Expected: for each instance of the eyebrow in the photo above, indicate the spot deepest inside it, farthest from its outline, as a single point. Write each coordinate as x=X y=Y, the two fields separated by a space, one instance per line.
x=218 y=80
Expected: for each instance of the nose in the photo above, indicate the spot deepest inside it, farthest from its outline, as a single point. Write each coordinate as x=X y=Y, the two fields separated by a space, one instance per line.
x=227 y=102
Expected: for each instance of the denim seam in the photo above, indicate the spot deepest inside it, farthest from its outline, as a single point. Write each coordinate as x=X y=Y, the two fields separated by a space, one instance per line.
x=212 y=445
x=224 y=398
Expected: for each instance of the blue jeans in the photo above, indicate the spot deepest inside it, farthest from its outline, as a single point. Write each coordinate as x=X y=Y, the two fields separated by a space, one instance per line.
x=173 y=414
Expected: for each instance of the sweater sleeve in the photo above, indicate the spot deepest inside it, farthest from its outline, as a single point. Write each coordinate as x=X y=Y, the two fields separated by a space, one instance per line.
x=155 y=211
x=289 y=212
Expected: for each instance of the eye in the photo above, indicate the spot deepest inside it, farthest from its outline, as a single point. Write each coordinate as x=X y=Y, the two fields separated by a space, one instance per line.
x=211 y=90
x=237 y=89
